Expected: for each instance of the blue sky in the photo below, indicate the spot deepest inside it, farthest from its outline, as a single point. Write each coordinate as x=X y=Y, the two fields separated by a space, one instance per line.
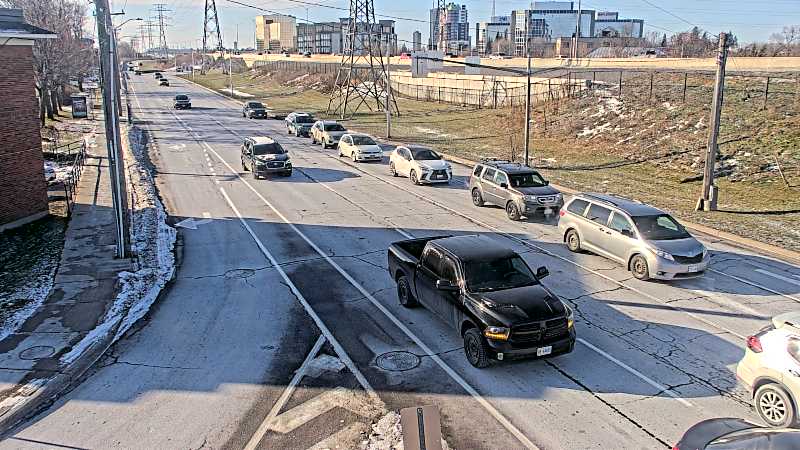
x=750 y=21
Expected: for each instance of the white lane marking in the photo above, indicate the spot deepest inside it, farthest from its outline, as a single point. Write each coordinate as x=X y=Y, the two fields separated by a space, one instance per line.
x=452 y=373
x=636 y=373
x=403 y=232
x=796 y=276
x=780 y=277
x=756 y=285
x=599 y=351
x=285 y=396
x=290 y=420
x=547 y=252
x=325 y=331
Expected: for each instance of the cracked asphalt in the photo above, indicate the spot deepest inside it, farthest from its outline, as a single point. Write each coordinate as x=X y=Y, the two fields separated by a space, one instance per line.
x=217 y=351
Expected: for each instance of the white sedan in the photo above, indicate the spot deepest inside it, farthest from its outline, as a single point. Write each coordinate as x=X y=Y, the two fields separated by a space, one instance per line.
x=359 y=147
x=420 y=164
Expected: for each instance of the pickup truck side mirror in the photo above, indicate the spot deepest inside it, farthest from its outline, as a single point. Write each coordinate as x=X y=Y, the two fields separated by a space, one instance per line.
x=504 y=185
x=446 y=285
x=542 y=272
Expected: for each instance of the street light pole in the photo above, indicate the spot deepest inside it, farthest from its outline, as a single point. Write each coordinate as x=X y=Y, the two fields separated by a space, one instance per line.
x=528 y=108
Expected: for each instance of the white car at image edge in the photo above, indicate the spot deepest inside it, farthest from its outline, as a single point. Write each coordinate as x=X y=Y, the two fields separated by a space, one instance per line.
x=420 y=164
x=359 y=147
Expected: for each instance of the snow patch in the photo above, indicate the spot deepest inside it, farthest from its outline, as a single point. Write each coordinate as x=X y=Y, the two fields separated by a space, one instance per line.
x=668 y=106
x=430 y=131
x=236 y=93
x=322 y=364
x=387 y=434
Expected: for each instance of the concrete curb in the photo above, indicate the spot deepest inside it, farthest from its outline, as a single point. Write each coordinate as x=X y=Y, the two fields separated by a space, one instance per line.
x=730 y=238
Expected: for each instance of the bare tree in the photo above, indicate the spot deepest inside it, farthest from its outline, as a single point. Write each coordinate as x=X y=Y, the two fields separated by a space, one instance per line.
x=787 y=42
x=56 y=61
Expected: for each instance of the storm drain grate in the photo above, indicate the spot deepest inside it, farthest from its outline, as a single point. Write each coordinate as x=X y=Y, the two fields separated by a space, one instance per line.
x=37 y=352
x=397 y=361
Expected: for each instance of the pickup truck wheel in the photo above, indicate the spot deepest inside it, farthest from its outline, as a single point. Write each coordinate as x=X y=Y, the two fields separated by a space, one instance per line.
x=313 y=141
x=404 y=293
x=475 y=348
x=477 y=198
x=512 y=211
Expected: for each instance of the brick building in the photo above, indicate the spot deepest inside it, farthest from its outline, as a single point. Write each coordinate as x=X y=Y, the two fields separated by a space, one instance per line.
x=23 y=189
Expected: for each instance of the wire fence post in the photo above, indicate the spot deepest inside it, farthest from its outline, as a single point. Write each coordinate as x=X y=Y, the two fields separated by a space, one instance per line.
x=652 y=75
x=620 y=84
x=685 y=81
x=766 y=93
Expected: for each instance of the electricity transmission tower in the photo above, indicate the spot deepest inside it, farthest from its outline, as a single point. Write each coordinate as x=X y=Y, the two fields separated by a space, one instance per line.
x=441 y=8
x=362 y=78
x=211 y=31
x=160 y=9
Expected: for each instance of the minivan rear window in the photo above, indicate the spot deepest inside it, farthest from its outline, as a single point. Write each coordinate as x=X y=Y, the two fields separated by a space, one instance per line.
x=577 y=206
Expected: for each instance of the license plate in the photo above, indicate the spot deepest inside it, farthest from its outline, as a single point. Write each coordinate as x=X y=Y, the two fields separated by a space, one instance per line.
x=542 y=351
x=440 y=177
x=548 y=211
x=693 y=268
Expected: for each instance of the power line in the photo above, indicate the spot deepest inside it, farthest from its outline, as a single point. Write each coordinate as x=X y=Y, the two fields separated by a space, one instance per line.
x=669 y=12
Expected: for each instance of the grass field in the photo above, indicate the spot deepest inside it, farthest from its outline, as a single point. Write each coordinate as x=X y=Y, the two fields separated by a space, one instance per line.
x=640 y=146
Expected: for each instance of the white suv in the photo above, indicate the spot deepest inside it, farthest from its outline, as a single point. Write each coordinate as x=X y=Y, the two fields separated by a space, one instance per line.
x=771 y=370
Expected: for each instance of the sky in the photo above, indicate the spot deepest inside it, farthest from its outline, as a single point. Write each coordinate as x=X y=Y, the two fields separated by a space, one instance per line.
x=750 y=21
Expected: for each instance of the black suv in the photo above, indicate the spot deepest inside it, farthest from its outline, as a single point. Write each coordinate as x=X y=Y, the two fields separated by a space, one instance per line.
x=262 y=155
x=254 y=110
x=182 y=101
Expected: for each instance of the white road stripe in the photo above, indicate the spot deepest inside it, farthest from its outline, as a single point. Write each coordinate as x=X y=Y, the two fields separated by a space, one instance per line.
x=756 y=285
x=780 y=277
x=285 y=396
x=636 y=373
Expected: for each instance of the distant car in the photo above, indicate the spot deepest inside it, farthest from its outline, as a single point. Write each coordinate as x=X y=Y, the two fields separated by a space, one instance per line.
x=254 y=110
x=137 y=72
x=307 y=55
x=157 y=75
x=487 y=293
x=420 y=164
x=163 y=82
x=405 y=56
x=327 y=133
x=182 y=101
x=730 y=433
x=179 y=69
x=515 y=187
x=299 y=123
x=647 y=241
x=770 y=369
x=262 y=156
x=359 y=147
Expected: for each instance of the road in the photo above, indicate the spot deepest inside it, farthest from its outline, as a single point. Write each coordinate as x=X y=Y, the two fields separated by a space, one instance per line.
x=280 y=276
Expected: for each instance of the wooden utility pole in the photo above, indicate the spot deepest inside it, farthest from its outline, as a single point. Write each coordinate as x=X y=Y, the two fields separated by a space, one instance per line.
x=528 y=108
x=389 y=92
x=708 y=200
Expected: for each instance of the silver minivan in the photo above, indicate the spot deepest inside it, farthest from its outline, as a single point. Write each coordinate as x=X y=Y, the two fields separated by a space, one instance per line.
x=648 y=241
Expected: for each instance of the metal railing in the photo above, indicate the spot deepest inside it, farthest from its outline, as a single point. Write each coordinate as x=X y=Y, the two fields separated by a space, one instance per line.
x=72 y=155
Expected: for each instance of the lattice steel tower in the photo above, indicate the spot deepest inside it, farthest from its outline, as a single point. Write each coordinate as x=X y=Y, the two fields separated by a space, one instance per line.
x=160 y=9
x=362 y=78
x=211 y=31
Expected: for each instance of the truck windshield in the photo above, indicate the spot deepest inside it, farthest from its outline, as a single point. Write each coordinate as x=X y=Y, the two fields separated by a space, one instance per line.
x=660 y=227
x=181 y=97
x=524 y=180
x=267 y=149
x=255 y=105
x=304 y=119
x=498 y=274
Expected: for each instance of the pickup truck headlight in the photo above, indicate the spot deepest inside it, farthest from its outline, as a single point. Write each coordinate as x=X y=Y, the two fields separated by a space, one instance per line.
x=497 y=333
x=663 y=254
x=570 y=318
x=705 y=252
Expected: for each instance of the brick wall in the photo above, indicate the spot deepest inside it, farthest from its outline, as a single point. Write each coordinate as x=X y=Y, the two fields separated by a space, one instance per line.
x=23 y=189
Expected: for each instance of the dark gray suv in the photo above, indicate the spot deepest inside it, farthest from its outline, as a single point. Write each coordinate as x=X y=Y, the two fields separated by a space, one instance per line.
x=519 y=189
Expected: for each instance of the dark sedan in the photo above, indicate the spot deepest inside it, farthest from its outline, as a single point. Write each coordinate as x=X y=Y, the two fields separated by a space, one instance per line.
x=730 y=433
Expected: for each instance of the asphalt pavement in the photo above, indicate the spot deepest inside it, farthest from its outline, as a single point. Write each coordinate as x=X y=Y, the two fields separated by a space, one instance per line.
x=280 y=275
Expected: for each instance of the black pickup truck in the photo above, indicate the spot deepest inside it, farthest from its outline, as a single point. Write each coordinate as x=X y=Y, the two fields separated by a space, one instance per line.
x=486 y=292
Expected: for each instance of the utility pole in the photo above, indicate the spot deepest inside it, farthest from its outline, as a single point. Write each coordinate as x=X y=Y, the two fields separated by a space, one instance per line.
x=389 y=92
x=577 y=33
x=528 y=108
x=162 y=30
x=708 y=200
x=111 y=116
x=230 y=70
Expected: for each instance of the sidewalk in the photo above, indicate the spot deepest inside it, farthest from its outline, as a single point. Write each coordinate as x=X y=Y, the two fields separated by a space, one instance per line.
x=51 y=348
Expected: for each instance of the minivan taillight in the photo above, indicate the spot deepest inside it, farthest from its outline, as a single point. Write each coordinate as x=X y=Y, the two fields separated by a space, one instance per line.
x=754 y=344
x=561 y=213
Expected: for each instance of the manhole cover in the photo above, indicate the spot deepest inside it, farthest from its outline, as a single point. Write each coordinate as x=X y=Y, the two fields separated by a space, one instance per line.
x=397 y=361
x=240 y=273
x=37 y=352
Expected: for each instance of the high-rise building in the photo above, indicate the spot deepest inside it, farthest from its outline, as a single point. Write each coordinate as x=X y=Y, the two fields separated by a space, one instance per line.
x=416 y=40
x=384 y=29
x=454 y=27
x=276 y=32
x=320 y=38
x=608 y=24
x=487 y=33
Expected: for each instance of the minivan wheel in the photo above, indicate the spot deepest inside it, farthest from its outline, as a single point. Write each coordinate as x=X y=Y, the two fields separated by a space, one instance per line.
x=404 y=293
x=512 y=211
x=477 y=198
x=774 y=406
x=573 y=241
x=475 y=348
x=639 y=268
